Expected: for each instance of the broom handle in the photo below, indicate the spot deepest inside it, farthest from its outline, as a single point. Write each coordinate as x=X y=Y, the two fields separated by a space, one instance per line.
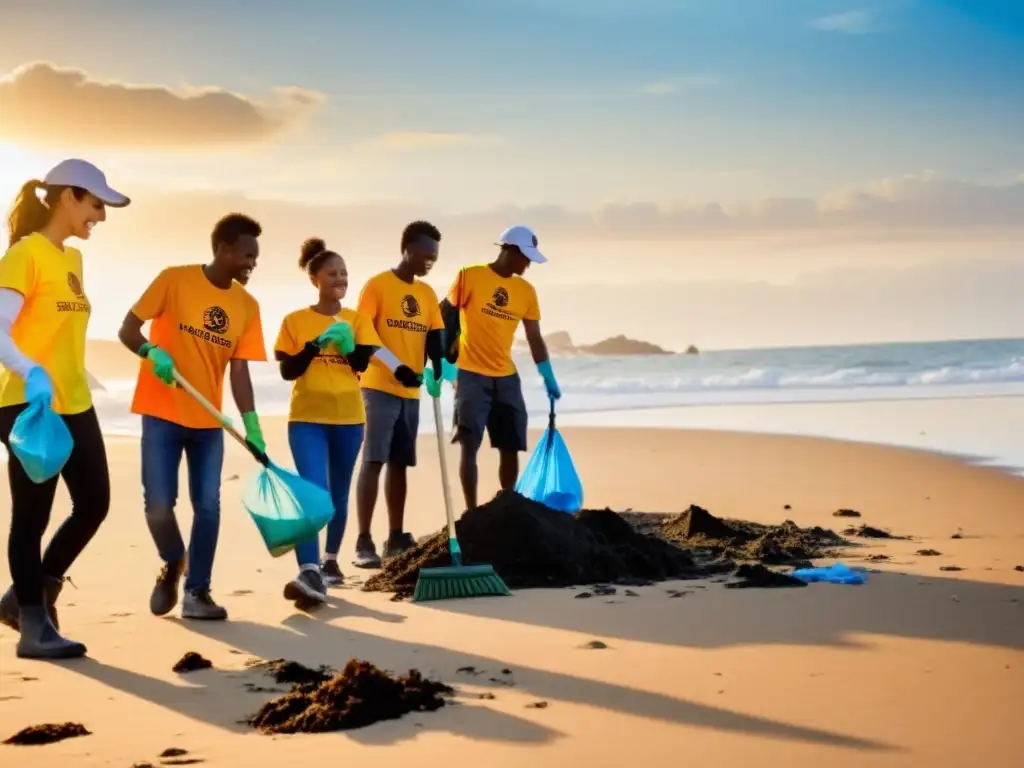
x=439 y=429
x=225 y=422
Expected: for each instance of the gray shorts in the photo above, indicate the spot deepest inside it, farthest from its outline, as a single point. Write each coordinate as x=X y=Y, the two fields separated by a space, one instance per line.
x=494 y=404
x=392 y=423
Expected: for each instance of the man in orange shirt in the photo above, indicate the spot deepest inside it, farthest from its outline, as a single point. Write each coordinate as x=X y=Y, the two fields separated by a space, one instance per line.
x=405 y=313
x=482 y=311
x=203 y=319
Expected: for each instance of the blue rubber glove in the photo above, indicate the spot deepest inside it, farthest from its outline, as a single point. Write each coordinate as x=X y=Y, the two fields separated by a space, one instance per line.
x=38 y=388
x=253 y=432
x=549 y=380
x=163 y=365
x=341 y=335
x=448 y=371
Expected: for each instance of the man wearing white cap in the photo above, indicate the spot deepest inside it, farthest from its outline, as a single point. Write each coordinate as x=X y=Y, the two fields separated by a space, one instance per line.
x=482 y=313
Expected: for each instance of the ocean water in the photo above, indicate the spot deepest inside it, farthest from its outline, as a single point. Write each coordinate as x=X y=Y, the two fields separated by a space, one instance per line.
x=961 y=397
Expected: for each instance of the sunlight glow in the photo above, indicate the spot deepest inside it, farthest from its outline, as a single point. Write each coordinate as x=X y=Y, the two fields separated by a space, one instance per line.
x=17 y=165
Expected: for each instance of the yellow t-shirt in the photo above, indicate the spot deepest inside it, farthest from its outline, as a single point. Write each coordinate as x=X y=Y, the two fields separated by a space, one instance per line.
x=328 y=392
x=50 y=330
x=490 y=310
x=402 y=314
x=201 y=327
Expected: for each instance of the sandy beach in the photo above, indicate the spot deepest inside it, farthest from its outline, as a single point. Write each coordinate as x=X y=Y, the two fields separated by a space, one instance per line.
x=919 y=667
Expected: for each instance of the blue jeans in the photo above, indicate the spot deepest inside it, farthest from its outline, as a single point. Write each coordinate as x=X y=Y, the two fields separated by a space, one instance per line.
x=325 y=454
x=163 y=443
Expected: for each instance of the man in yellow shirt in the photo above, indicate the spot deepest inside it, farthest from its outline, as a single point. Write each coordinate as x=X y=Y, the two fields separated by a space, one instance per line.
x=405 y=312
x=483 y=310
x=203 y=320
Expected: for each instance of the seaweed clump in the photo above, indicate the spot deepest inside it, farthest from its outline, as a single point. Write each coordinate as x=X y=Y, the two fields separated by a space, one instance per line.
x=531 y=545
x=361 y=695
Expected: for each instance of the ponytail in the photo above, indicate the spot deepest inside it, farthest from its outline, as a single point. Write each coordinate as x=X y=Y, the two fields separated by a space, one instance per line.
x=30 y=213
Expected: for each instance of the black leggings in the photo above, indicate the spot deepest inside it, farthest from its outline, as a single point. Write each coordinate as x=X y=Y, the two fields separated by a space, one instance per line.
x=88 y=483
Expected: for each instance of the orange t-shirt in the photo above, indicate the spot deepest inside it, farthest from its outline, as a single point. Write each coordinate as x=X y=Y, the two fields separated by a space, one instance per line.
x=402 y=313
x=490 y=310
x=201 y=327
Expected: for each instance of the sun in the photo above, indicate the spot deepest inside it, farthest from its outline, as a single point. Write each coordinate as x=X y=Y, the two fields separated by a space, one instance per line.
x=17 y=165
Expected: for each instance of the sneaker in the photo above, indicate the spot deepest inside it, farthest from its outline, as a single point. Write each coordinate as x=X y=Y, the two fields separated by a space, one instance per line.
x=398 y=543
x=331 y=573
x=366 y=552
x=165 y=592
x=199 y=605
x=307 y=587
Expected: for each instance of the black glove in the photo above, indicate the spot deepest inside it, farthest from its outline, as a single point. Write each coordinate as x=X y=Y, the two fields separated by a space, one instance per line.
x=407 y=378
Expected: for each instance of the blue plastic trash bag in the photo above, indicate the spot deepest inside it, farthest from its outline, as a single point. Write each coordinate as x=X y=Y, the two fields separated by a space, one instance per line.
x=833 y=574
x=550 y=477
x=41 y=441
x=286 y=508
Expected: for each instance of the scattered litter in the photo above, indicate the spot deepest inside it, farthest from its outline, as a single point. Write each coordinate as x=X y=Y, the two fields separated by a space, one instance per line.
x=832 y=574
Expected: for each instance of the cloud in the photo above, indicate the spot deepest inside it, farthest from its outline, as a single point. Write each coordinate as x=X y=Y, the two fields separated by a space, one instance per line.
x=44 y=105
x=924 y=208
x=414 y=140
x=849 y=23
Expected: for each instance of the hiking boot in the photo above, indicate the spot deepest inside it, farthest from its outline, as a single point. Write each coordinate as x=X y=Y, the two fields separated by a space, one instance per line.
x=331 y=573
x=366 y=552
x=165 y=592
x=398 y=543
x=199 y=605
x=41 y=640
x=10 y=610
x=307 y=587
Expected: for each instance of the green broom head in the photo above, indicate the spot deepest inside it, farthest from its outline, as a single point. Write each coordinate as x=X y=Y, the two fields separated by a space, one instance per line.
x=454 y=582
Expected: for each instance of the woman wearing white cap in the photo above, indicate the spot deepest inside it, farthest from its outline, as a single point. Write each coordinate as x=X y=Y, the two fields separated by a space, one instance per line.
x=44 y=313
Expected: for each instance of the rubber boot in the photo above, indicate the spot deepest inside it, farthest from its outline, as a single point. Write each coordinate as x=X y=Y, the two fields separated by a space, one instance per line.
x=9 y=603
x=9 y=610
x=52 y=587
x=41 y=640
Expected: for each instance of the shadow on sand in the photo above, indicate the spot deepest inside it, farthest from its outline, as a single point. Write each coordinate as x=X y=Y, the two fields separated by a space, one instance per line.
x=892 y=604
x=308 y=639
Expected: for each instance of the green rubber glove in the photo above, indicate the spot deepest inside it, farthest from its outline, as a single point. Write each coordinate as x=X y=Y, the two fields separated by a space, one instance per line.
x=253 y=433
x=433 y=385
x=163 y=365
x=341 y=335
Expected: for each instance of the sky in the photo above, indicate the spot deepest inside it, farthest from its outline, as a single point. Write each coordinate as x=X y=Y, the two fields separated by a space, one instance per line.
x=722 y=172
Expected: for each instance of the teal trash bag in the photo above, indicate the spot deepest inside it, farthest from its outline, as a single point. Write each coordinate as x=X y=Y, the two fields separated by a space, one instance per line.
x=286 y=508
x=832 y=574
x=550 y=476
x=41 y=442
